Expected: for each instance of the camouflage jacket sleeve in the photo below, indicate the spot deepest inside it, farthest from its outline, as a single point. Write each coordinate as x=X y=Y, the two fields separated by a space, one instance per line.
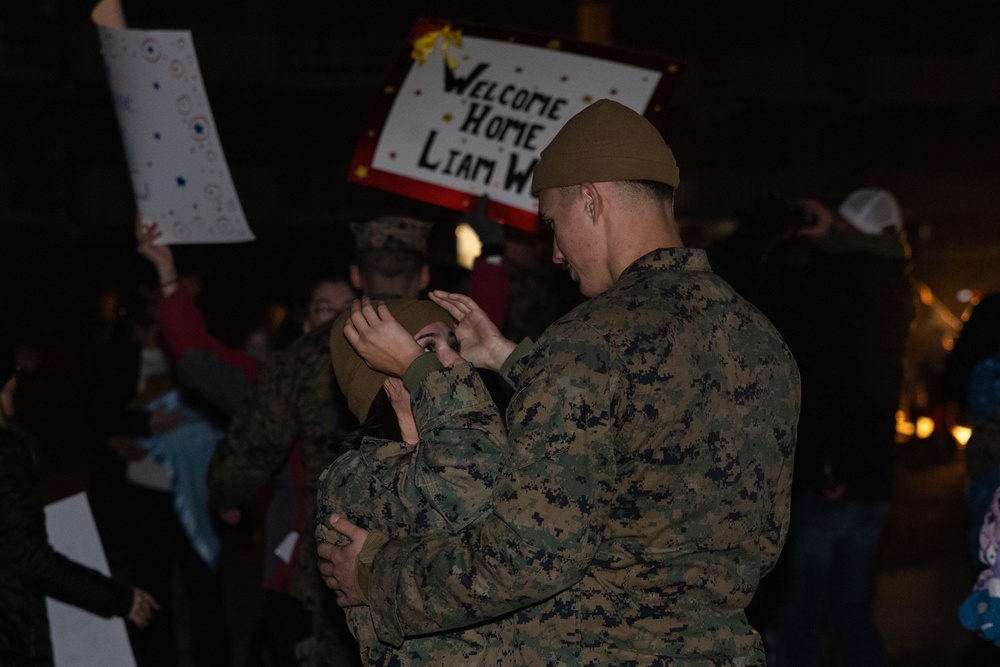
x=454 y=468
x=441 y=483
x=557 y=455
x=513 y=366
x=259 y=439
x=772 y=539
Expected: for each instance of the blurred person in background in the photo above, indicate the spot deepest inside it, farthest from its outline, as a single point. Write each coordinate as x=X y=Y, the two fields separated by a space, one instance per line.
x=837 y=287
x=971 y=382
x=30 y=569
x=151 y=498
x=224 y=376
x=296 y=403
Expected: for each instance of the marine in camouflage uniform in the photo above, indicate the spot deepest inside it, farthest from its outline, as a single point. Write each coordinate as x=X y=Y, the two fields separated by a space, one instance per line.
x=645 y=486
x=392 y=232
x=647 y=461
x=402 y=489
x=296 y=397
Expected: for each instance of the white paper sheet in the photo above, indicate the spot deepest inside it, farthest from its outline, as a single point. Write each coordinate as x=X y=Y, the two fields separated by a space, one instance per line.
x=79 y=638
x=286 y=549
x=179 y=172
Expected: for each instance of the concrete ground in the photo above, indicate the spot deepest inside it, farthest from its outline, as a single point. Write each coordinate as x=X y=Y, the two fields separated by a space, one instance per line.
x=924 y=569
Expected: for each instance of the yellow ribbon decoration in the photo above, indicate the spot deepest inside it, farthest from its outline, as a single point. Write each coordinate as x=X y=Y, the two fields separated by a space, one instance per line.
x=424 y=45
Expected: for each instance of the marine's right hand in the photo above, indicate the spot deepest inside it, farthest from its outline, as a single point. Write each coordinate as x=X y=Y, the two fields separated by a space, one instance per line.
x=480 y=342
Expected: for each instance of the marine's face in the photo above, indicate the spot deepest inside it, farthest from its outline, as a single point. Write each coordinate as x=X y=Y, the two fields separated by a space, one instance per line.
x=576 y=245
x=436 y=337
x=328 y=300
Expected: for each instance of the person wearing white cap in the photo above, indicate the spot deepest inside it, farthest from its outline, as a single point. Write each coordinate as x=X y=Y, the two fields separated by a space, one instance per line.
x=871 y=211
x=844 y=307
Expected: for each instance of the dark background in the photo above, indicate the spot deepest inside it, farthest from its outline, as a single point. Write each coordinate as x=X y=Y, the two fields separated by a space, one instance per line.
x=802 y=98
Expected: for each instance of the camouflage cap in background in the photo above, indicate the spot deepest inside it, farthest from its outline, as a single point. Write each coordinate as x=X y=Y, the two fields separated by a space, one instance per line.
x=392 y=233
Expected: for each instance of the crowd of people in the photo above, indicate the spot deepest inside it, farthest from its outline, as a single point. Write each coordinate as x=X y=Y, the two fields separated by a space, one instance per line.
x=480 y=472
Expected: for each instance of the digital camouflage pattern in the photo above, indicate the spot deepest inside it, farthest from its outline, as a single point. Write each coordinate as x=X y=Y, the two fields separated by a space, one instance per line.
x=392 y=233
x=296 y=397
x=644 y=488
x=401 y=489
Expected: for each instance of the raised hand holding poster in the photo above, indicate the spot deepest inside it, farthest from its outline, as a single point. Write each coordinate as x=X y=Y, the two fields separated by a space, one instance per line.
x=179 y=172
x=467 y=111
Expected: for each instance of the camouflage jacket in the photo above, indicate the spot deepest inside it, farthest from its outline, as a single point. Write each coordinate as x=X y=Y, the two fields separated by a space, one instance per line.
x=296 y=397
x=644 y=488
x=401 y=489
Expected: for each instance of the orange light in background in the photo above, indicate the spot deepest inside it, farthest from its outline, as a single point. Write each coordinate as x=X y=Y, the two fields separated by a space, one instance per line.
x=926 y=296
x=925 y=427
x=904 y=426
x=961 y=434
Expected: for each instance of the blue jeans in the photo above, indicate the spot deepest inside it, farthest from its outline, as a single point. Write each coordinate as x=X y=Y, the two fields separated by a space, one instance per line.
x=829 y=563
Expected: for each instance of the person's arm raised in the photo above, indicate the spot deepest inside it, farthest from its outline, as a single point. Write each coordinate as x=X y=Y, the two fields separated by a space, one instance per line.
x=160 y=256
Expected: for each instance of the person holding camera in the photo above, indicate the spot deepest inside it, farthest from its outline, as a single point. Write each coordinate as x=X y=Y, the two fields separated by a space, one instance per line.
x=837 y=289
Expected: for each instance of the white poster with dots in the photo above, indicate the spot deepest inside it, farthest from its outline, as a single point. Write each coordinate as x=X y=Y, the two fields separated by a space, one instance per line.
x=469 y=109
x=175 y=159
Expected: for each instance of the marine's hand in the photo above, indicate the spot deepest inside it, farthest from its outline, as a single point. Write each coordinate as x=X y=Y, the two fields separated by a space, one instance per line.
x=143 y=605
x=379 y=339
x=339 y=565
x=480 y=342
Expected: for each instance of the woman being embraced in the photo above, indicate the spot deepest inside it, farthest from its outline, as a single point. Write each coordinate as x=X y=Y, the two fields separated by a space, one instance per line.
x=392 y=482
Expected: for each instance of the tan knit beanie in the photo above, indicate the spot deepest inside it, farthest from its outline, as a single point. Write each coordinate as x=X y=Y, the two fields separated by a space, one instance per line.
x=360 y=383
x=607 y=141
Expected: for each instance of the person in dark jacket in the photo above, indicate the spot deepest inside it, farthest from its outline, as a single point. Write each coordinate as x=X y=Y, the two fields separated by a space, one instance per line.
x=30 y=569
x=840 y=295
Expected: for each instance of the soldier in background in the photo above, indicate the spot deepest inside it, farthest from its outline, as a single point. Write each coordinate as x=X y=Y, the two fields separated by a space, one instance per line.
x=648 y=454
x=390 y=260
x=297 y=400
